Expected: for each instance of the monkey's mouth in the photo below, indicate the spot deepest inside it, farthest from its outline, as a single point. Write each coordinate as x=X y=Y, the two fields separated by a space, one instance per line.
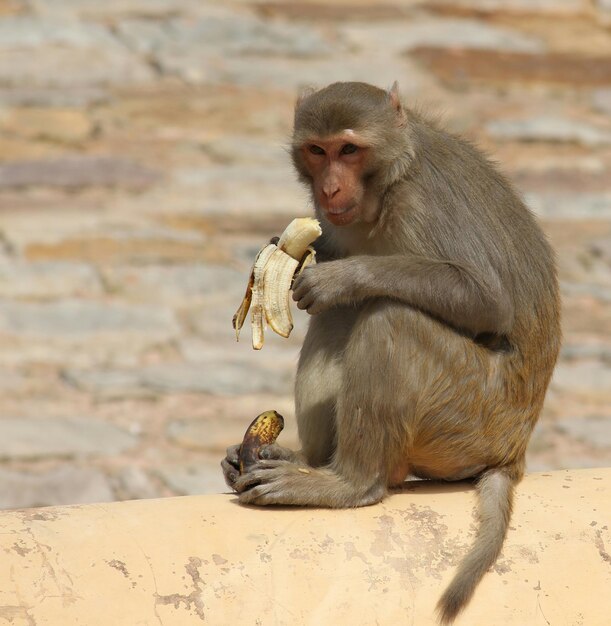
x=340 y=216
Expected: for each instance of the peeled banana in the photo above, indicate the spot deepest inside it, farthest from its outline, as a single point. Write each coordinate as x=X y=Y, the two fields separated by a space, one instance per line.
x=271 y=277
x=263 y=430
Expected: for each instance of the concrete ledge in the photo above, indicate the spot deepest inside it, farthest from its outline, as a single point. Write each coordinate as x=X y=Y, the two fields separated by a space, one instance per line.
x=207 y=560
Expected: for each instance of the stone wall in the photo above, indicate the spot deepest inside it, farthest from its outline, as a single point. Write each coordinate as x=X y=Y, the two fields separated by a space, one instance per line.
x=142 y=164
x=207 y=560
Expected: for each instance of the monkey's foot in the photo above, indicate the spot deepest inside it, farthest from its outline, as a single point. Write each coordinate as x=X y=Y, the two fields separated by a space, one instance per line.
x=284 y=482
x=231 y=463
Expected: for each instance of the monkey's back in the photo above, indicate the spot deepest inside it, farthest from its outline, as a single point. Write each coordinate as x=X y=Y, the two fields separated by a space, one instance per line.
x=481 y=219
x=463 y=209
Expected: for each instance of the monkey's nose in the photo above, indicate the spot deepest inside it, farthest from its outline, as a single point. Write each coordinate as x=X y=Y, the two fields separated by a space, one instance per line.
x=331 y=190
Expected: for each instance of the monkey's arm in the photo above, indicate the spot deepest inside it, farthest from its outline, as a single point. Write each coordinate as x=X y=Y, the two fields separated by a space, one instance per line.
x=457 y=293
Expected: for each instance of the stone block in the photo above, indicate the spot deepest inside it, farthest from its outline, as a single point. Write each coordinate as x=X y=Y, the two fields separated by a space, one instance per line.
x=550 y=128
x=71 y=317
x=66 y=484
x=215 y=433
x=570 y=205
x=400 y=36
x=75 y=172
x=175 y=283
x=20 y=279
x=26 y=438
x=63 y=52
x=69 y=126
x=591 y=378
x=194 y=479
x=213 y=376
x=136 y=248
x=77 y=97
x=552 y=7
x=197 y=40
x=594 y=430
x=460 y=67
x=601 y=100
x=133 y=483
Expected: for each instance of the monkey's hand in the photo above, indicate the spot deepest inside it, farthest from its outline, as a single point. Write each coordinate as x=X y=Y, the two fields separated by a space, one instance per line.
x=326 y=285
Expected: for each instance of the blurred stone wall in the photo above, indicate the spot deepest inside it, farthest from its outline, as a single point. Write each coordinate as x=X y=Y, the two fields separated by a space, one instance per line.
x=143 y=163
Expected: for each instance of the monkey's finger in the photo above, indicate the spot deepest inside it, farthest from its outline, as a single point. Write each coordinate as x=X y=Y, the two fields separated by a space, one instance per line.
x=274 y=240
x=302 y=304
x=299 y=296
x=247 y=481
x=259 y=494
x=298 y=289
x=300 y=285
x=305 y=301
x=269 y=464
x=317 y=305
x=263 y=471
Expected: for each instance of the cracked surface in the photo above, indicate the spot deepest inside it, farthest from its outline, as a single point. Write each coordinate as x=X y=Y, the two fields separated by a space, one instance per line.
x=208 y=560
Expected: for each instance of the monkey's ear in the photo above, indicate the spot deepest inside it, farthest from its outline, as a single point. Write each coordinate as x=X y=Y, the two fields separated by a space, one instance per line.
x=304 y=93
x=395 y=102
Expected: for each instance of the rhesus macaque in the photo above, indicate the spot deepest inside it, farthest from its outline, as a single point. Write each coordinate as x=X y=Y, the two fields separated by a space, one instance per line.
x=435 y=321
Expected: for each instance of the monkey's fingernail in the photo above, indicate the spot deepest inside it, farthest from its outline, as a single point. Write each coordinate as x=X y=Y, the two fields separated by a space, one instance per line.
x=303 y=470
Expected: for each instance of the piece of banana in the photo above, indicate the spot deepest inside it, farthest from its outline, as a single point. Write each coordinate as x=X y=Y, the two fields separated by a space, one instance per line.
x=271 y=278
x=263 y=430
x=299 y=235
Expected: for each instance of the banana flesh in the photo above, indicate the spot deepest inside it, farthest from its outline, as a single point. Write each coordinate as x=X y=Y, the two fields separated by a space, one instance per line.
x=271 y=278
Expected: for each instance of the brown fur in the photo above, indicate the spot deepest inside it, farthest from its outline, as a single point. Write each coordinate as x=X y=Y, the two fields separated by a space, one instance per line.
x=434 y=329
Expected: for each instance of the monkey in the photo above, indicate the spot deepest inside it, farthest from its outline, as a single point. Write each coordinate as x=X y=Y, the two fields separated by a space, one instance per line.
x=434 y=321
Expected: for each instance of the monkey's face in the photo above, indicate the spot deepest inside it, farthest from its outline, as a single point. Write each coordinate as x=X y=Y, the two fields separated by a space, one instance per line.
x=336 y=166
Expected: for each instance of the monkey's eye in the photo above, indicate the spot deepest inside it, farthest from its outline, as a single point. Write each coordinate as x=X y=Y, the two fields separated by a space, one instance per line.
x=349 y=148
x=314 y=149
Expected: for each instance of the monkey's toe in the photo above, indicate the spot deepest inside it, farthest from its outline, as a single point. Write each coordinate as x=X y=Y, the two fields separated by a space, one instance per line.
x=230 y=473
x=266 y=477
x=274 y=452
x=232 y=455
x=266 y=493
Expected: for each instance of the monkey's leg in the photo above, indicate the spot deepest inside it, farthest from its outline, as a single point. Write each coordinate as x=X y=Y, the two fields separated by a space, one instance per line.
x=319 y=384
x=316 y=389
x=371 y=378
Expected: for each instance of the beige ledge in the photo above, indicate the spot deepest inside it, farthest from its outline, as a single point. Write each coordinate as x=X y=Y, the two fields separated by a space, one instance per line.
x=208 y=560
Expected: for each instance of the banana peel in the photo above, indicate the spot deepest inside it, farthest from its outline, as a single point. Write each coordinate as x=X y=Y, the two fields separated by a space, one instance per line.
x=271 y=278
x=263 y=430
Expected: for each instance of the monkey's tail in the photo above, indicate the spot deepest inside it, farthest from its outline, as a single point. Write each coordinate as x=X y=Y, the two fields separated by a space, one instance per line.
x=495 y=492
